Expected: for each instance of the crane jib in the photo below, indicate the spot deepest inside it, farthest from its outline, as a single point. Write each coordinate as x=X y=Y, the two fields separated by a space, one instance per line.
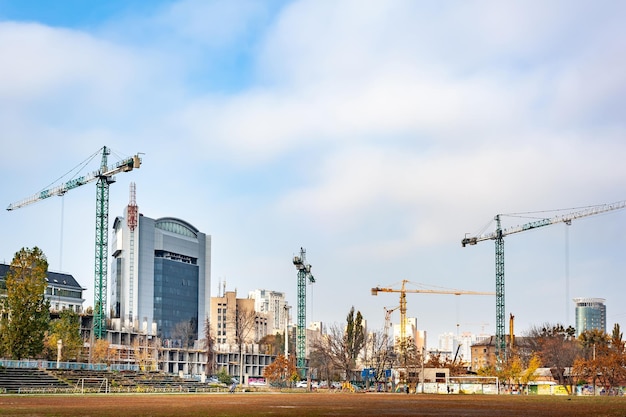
x=498 y=237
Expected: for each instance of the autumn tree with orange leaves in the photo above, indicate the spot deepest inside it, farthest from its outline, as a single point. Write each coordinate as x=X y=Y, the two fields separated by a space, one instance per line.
x=281 y=372
x=604 y=361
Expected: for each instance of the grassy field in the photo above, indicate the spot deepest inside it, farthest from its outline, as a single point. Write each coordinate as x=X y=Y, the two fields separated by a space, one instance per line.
x=308 y=404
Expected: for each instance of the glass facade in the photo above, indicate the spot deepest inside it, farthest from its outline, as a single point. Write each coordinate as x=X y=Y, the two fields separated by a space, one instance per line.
x=116 y=276
x=590 y=314
x=176 y=226
x=160 y=279
x=175 y=296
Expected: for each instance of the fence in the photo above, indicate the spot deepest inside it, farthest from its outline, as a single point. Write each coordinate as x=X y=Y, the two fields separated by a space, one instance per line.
x=41 y=364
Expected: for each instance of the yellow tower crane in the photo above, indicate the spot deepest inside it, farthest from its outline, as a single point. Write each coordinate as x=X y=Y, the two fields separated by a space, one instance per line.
x=403 y=291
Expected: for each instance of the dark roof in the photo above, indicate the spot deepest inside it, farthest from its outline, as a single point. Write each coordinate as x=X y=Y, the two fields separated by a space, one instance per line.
x=491 y=341
x=54 y=278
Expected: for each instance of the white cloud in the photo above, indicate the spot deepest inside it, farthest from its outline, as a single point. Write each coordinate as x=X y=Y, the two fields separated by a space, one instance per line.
x=46 y=61
x=214 y=23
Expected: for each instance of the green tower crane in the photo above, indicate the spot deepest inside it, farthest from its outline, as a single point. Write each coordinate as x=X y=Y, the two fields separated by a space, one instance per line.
x=304 y=274
x=498 y=236
x=105 y=177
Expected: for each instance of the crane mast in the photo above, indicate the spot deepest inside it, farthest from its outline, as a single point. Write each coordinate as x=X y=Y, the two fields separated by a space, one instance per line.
x=498 y=236
x=104 y=177
x=388 y=312
x=304 y=274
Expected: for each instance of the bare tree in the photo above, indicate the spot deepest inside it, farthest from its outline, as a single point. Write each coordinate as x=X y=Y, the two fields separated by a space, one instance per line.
x=185 y=332
x=409 y=360
x=321 y=363
x=377 y=354
x=245 y=323
x=210 y=347
x=334 y=348
x=557 y=348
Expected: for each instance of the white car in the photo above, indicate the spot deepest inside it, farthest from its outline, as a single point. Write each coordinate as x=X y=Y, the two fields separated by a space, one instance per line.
x=301 y=384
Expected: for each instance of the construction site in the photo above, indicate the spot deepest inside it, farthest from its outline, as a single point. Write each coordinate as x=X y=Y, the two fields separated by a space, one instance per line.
x=150 y=324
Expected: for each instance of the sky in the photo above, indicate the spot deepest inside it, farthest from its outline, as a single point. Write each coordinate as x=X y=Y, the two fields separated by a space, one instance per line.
x=374 y=134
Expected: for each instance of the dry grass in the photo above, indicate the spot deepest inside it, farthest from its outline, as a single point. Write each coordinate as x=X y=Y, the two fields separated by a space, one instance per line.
x=308 y=404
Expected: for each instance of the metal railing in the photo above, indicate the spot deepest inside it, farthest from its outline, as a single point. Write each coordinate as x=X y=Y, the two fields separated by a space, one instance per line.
x=42 y=364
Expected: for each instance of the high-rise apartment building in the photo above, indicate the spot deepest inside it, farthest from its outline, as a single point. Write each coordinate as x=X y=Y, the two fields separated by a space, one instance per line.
x=274 y=304
x=160 y=276
x=590 y=314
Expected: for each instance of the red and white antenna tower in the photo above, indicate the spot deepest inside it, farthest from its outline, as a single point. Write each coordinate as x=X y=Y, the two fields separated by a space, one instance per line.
x=131 y=219
x=132 y=208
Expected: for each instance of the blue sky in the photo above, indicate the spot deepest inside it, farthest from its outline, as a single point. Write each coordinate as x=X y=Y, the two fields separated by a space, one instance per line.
x=374 y=134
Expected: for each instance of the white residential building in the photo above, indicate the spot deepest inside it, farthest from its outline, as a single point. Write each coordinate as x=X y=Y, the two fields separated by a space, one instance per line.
x=272 y=303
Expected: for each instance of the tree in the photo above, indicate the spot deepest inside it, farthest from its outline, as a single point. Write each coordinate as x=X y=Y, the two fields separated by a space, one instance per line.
x=24 y=328
x=185 y=332
x=321 y=363
x=281 y=372
x=67 y=329
x=224 y=377
x=271 y=344
x=529 y=373
x=340 y=348
x=557 y=348
x=101 y=352
x=210 y=347
x=354 y=338
x=245 y=323
x=377 y=354
x=244 y=326
x=603 y=359
x=330 y=350
x=355 y=335
x=142 y=353
x=410 y=361
x=616 y=338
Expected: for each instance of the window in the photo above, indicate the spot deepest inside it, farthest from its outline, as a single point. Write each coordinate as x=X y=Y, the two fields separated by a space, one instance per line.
x=178 y=227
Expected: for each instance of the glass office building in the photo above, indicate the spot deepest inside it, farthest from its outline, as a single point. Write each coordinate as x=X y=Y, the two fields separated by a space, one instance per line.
x=590 y=314
x=160 y=276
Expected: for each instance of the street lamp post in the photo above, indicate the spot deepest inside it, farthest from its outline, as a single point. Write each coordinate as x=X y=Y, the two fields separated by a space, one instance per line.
x=59 y=348
x=286 y=308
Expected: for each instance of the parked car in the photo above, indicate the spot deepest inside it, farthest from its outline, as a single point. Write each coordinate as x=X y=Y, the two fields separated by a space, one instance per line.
x=301 y=384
